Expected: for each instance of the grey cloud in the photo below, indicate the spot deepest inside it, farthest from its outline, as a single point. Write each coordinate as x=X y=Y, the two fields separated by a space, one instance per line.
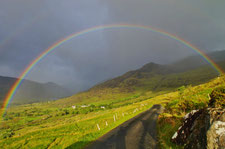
x=32 y=26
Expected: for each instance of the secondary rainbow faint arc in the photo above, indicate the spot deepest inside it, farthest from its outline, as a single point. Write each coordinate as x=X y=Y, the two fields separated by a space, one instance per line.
x=18 y=82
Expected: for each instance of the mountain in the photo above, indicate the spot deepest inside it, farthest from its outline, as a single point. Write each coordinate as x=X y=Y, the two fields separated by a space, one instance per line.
x=151 y=79
x=192 y=70
x=75 y=121
x=31 y=91
x=156 y=77
x=195 y=61
x=134 y=77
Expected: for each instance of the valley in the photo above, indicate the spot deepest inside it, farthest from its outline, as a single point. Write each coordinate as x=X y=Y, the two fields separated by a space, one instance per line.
x=76 y=121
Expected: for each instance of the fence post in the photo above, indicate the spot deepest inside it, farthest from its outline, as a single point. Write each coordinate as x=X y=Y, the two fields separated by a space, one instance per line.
x=98 y=127
x=209 y=96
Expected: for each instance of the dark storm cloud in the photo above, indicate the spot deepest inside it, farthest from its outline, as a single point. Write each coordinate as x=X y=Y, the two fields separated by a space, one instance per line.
x=196 y=21
x=28 y=27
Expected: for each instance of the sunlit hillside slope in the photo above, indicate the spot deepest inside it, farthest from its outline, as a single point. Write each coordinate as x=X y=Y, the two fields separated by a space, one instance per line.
x=49 y=125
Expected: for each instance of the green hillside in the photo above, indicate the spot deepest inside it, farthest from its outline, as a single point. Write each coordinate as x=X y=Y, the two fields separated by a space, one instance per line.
x=154 y=78
x=157 y=78
x=72 y=122
x=53 y=125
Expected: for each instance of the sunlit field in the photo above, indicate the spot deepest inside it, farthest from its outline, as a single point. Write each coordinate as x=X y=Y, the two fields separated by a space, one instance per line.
x=41 y=125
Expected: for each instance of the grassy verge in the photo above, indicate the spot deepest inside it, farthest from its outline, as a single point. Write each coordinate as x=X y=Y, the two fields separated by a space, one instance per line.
x=186 y=99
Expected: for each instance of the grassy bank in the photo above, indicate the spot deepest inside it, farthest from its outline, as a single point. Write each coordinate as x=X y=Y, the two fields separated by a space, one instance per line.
x=187 y=99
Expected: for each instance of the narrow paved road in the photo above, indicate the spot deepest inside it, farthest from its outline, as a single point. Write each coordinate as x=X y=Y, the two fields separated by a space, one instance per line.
x=136 y=133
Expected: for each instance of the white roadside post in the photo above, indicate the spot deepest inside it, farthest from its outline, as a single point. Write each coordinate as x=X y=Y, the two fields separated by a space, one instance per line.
x=98 y=127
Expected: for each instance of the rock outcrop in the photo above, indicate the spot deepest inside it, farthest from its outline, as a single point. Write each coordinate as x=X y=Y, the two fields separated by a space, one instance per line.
x=204 y=128
x=184 y=131
x=216 y=132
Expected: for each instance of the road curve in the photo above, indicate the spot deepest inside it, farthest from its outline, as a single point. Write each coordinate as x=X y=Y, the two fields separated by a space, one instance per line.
x=136 y=133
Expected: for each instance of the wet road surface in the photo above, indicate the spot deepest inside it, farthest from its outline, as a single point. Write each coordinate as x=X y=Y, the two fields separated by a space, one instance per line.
x=137 y=133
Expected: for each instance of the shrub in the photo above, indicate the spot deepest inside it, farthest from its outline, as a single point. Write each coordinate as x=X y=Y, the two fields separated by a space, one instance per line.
x=217 y=97
x=8 y=134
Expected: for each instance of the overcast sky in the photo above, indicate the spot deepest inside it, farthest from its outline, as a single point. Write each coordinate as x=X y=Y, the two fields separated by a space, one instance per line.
x=28 y=27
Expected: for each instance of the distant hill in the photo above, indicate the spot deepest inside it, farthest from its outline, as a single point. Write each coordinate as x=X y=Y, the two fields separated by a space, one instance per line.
x=152 y=77
x=31 y=91
x=73 y=122
x=133 y=78
x=196 y=61
x=155 y=76
x=158 y=77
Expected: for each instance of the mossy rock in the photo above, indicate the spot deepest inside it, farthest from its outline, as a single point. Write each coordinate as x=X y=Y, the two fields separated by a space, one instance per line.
x=217 y=97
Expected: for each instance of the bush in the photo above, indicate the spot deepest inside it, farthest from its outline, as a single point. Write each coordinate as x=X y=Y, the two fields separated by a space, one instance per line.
x=66 y=112
x=217 y=97
x=8 y=134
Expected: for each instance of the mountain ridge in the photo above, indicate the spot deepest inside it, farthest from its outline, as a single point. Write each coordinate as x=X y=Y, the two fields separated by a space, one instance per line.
x=138 y=82
x=31 y=91
x=194 y=61
x=150 y=77
x=152 y=69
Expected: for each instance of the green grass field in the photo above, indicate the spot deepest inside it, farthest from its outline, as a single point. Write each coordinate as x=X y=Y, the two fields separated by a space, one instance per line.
x=56 y=124
x=43 y=125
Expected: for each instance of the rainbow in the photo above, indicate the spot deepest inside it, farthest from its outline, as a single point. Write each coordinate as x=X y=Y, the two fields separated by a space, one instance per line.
x=18 y=82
